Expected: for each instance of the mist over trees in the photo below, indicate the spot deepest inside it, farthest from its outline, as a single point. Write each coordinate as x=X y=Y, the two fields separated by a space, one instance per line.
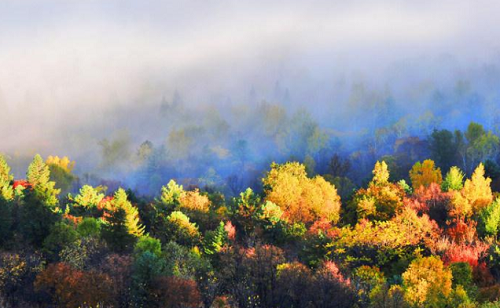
x=428 y=242
x=302 y=83
x=249 y=154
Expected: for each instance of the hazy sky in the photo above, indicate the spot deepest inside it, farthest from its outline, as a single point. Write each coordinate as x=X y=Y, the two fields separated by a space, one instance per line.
x=63 y=62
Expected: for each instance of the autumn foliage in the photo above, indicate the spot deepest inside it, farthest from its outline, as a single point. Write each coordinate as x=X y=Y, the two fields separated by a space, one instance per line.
x=75 y=288
x=300 y=197
x=292 y=243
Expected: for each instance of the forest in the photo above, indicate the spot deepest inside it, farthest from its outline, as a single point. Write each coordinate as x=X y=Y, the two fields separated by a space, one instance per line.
x=249 y=154
x=411 y=234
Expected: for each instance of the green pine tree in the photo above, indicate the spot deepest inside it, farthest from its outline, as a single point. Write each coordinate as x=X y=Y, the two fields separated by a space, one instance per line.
x=115 y=231
x=122 y=224
x=215 y=240
x=6 y=196
x=133 y=224
x=38 y=175
x=6 y=190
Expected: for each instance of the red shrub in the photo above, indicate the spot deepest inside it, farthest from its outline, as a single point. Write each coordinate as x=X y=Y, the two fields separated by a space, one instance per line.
x=74 y=288
x=176 y=292
x=330 y=269
x=22 y=183
x=325 y=226
x=463 y=232
x=231 y=230
x=471 y=254
x=433 y=201
x=119 y=268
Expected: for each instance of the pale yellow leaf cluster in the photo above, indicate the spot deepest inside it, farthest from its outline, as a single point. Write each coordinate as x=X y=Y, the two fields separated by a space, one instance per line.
x=64 y=163
x=194 y=201
x=473 y=197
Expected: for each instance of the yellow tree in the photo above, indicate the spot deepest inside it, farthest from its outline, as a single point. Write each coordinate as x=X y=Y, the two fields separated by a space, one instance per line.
x=382 y=199
x=477 y=190
x=427 y=282
x=88 y=197
x=423 y=174
x=459 y=208
x=64 y=163
x=60 y=172
x=380 y=174
x=194 y=201
x=174 y=196
x=171 y=193
x=302 y=199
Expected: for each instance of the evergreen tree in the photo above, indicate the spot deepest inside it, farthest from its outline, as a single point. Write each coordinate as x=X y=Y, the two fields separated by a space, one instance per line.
x=38 y=176
x=215 y=240
x=6 y=195
x=122 y=225
x=6 y=190
x=115 y=231
x=133 y=224
x=146 y=269
x=35 y=218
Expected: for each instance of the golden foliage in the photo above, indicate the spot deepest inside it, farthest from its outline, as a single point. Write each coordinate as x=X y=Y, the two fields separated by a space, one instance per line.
x=182 y=222
x=477 y=190
x=474 y=196
x=380 y=173
x=120 y=202
x=302 y=199
x=405 y=229
x=382 y=199
x=174 y=194
x=64 y=163
x=194 y=201
x=423 y=174
x=427 y=282
x=460 y=207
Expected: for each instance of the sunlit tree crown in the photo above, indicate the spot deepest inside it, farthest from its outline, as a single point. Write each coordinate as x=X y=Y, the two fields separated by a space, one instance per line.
x=380 y=173
x=454 y=180
x=424 y=174
x=6 y=178
x=477 y=189
x=38 y=175
x=120 y=201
